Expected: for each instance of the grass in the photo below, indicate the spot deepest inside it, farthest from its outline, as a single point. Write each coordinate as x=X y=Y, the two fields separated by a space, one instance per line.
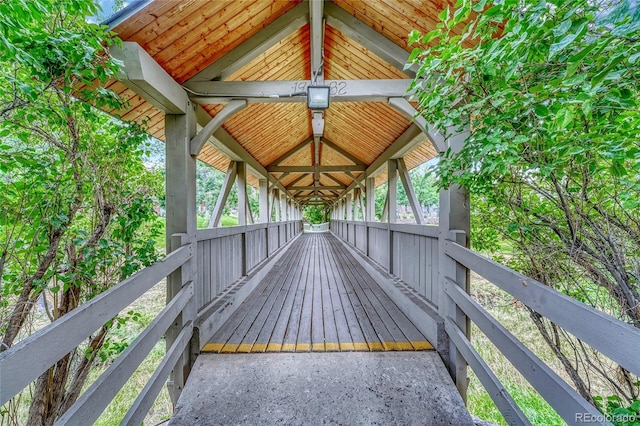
x=516 y=319
x=149 y=305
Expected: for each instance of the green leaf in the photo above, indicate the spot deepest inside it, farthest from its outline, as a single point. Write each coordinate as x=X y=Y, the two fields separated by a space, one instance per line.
x=444 y=15
x=557 y=47
x=541 y=110
x=414 y=36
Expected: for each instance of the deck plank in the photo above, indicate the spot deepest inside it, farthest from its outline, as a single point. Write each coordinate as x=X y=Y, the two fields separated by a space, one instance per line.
x=317 y=298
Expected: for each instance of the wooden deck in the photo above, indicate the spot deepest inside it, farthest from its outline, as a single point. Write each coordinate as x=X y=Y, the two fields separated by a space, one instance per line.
x=317 y=298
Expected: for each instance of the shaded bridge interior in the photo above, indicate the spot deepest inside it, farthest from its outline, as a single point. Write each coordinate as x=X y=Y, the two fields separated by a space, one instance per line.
x=317 y=297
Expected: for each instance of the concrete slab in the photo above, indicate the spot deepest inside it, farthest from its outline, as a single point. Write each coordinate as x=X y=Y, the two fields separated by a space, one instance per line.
x=347 y=388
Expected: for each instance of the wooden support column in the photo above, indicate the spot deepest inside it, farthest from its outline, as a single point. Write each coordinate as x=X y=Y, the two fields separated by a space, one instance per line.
x=283 y=206
x=241 y=184
x=370 y=209
x=276 y=205
x=180 y=229
x=264 y=201
x=454 y=224
x=392 y=206
x=392 y=201
x=349 y=205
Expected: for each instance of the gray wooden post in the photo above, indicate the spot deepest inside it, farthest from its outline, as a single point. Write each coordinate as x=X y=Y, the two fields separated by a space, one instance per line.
x=283 y=206
x=392 y=202
x=349 y=205
x=370 y=185
x=241 y=183
x=392 y=205
x=180 y=221
x=454 y=224
x=370 y=209
x=276 y=204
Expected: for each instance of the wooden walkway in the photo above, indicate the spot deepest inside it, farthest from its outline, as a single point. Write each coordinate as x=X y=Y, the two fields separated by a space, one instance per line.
x=317 y=298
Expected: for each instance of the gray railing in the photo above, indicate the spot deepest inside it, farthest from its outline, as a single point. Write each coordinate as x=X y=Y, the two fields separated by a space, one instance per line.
x=225 y=254
x=229 y=253
x=414 y=259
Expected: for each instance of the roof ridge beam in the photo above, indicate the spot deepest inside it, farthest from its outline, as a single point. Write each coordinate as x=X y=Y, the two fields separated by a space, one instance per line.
x=369 y=38
x=255 y=45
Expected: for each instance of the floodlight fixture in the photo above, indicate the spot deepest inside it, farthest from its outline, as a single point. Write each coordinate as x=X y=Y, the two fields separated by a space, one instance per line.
x=318 y=97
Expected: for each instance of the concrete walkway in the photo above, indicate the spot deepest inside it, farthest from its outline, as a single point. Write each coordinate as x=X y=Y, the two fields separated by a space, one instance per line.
x=348 y=388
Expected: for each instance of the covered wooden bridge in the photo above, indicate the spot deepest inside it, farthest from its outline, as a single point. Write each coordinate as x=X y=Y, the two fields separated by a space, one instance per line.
x=239 y=85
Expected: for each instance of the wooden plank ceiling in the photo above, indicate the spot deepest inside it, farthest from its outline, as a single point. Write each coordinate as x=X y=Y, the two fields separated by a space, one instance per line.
x=186 y=37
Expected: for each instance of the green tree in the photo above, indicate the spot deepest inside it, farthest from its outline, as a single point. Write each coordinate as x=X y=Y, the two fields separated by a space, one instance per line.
x=76 y=202
x=316 y=214
x=550 y=90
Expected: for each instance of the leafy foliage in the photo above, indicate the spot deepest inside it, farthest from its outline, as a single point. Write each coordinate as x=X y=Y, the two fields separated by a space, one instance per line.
x=550 y=91
x=76 y=202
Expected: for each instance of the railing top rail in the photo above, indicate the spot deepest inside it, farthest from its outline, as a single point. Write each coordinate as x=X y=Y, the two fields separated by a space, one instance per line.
x=426 y=230
x=29 y=358
x=226 y=231
x=614 y=338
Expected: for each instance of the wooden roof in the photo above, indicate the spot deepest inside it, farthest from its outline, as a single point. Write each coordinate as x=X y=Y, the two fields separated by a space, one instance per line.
x=190 y=39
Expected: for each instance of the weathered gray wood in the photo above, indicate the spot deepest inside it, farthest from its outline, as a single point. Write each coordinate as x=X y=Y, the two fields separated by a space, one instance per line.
x=407 y=142
x=212 y=233
x=142 y=74
x=264 y=200
x=241 y=184
x=181 y=219
x=430 y=231
x=411 y=193
x=614 y=338
x=29 y=358
x=366 y=36
x=227 y=185
x=349 y=205
x=454 y=220
x=511 y=412
x=370 y=192
x=220 y=92
x=95 y=399
x=562 y=397
x=436 y=138
x=316 y=19
x=254 y=46
x=207 y=131
x=392 y=191
x=141 y=406
x=415 y=308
